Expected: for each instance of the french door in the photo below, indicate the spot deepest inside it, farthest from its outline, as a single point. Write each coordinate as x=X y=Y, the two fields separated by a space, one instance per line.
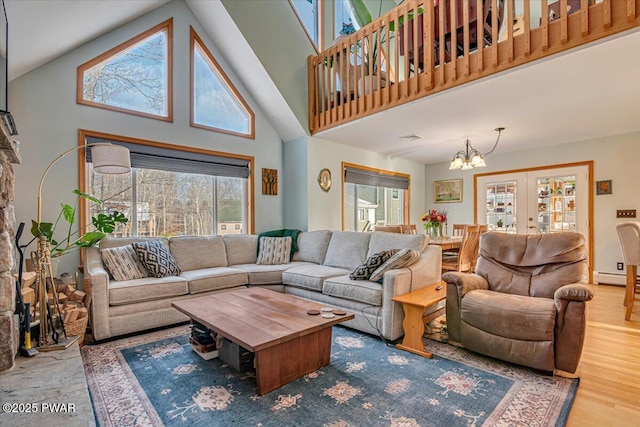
x=549 y=200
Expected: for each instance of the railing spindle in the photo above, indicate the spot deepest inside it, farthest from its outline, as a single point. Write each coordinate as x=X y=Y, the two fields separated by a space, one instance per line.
x=510 y=18
x=584 y=15
x=428 y=33
x=480 y=35
x=563 y=21
x=441 y=42
x=544 y=25
x=465 y=37
x=606 y=21
x=494 y=31
x=631 y=10
x=453 y=29
x=312 y=90
x=527 y=28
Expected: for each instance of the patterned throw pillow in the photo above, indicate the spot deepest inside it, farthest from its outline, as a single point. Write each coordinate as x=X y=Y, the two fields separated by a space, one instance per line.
x=364 y=271
x=274 y=250
x=156 y=258
x=402 y=258
x=123 y=263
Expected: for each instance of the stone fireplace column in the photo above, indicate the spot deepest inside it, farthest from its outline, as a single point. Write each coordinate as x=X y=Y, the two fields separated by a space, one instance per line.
x=9 y=323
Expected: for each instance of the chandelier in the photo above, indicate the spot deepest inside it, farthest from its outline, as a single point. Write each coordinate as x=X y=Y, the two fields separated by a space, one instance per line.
x=470 y=158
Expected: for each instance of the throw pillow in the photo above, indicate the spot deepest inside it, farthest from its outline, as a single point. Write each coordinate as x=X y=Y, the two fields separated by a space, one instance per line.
x=364 y=271
x=274 y=250
x=123 y=263
x=156 y=258
x=402 y=258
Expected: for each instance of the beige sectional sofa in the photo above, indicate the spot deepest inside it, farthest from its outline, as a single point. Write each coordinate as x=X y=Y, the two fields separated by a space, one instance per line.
x=319 y=271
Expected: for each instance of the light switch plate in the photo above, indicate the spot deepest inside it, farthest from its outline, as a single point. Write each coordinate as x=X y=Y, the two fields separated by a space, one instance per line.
x=626 y=213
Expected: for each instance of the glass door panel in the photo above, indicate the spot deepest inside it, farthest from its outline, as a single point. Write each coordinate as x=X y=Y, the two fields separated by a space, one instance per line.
x=501 y=204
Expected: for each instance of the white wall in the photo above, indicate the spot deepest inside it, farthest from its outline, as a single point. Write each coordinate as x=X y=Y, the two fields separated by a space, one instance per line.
x=616 y=158
x=43 y=103
x=325 y=209
x=294 y=182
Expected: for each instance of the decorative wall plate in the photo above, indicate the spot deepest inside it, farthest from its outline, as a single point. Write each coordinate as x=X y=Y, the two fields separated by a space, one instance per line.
x=324 y=179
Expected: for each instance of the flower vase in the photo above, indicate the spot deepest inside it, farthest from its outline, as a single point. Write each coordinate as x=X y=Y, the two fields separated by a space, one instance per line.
x=434 y=231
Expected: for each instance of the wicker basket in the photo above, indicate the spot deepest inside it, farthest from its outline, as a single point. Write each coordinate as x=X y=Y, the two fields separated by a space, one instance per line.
x=77 y=327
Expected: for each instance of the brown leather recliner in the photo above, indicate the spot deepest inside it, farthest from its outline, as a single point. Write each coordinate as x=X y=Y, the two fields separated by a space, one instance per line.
x=526 y=301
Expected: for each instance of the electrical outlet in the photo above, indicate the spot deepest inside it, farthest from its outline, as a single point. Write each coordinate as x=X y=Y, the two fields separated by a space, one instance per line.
x=620 y=266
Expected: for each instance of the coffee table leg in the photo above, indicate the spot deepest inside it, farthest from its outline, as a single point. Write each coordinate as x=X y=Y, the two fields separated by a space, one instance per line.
x=287 y=361
x=413 y=331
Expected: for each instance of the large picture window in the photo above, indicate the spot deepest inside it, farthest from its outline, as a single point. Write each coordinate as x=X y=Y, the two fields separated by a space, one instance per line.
x=172 y=192
x=374 y=197
x=134 y=77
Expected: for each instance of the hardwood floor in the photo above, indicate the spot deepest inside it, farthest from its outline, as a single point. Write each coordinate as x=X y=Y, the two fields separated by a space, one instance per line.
x=609 y=371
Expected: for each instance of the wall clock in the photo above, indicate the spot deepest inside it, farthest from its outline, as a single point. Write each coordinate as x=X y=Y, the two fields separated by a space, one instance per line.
x=324 y=179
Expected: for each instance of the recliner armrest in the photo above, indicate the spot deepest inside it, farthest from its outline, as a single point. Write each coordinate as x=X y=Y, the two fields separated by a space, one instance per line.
x=574 y=292
x=465 y=282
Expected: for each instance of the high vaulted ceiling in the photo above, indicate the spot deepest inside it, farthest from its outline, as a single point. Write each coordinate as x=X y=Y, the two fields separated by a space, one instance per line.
x=586 y=93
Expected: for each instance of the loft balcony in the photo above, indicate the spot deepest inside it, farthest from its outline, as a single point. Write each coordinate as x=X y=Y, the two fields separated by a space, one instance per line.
x=412 y=51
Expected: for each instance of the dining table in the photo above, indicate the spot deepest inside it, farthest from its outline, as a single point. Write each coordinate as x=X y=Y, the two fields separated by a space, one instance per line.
x=447 y=243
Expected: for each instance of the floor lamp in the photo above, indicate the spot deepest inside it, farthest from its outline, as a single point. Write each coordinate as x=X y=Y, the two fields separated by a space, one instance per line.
x=107 y=158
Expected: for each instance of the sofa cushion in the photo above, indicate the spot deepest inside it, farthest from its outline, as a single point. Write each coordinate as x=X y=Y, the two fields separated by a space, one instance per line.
x=146 y=289
x=364 y=271
x=123 y=263
x=241 y=248
x=347 y=249
x=267 y=274
x=211 y=279
x=156 y=258
x=402 y=258
x=311 y=276
x=274 y=250
x=511 y=316
x=363 y=291
x=382 y=241
x=312 y=246
x=112 y=242
x=195 y=252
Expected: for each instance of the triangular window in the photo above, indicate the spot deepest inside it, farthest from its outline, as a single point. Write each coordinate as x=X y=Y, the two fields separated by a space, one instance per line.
x=134 y=77
x=216 y=104
x=308 y=15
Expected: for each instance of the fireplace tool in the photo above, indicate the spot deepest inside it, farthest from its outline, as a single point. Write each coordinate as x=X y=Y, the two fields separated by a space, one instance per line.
x=23 y=310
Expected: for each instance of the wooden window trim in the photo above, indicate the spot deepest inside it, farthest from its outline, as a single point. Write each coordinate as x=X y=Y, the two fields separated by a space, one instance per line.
x=195 y=39
x=406 y=202
x=163 y=26
x=83 y=177
x=304 y=27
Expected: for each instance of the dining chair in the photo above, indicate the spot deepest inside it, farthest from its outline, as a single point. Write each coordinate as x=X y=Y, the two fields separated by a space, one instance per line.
x=409 y=229
x=463 y=261
x=389 y=228
x=482 y=228
x=458 y=230
x=629 y=236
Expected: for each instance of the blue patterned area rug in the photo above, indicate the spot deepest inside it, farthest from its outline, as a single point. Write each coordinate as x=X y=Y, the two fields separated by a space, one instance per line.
x=156 y=379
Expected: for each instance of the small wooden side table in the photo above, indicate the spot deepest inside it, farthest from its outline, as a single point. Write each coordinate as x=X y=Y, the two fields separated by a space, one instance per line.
x=414 y=304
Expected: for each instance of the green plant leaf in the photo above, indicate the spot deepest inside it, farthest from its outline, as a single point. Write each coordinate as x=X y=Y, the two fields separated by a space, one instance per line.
x=88 y=197
x=69 y=213
x=90 y=239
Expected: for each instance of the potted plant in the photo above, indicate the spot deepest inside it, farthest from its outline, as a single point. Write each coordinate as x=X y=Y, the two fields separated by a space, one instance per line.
x=71 y=241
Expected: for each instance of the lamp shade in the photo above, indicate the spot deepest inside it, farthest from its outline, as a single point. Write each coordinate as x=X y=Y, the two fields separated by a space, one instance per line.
x=110 y=159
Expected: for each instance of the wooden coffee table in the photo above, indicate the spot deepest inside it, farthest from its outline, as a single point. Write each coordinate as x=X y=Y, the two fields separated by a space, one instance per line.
x=414 y=304
x=287 y=342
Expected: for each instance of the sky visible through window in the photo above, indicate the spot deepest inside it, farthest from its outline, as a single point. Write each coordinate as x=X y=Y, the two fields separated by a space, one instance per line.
x=308 y=12
x=135 y=79
x=215 y=105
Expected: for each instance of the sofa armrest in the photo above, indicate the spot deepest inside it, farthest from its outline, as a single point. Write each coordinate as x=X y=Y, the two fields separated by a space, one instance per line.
x=570 y=324
x=426 y=271
x=573 y=292
x=464 y=282
x=95 y=271
x=458 y=285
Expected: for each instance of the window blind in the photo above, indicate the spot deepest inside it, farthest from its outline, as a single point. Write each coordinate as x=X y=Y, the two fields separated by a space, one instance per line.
x=167 y=159
x=375 y=179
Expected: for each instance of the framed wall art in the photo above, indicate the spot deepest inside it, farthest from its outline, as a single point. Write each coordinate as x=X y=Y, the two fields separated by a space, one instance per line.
x=604 y=187
x=447 y=191
x=270 y=182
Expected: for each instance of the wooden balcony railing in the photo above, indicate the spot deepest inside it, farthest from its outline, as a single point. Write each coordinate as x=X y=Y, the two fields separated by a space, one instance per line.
x=412 y=52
